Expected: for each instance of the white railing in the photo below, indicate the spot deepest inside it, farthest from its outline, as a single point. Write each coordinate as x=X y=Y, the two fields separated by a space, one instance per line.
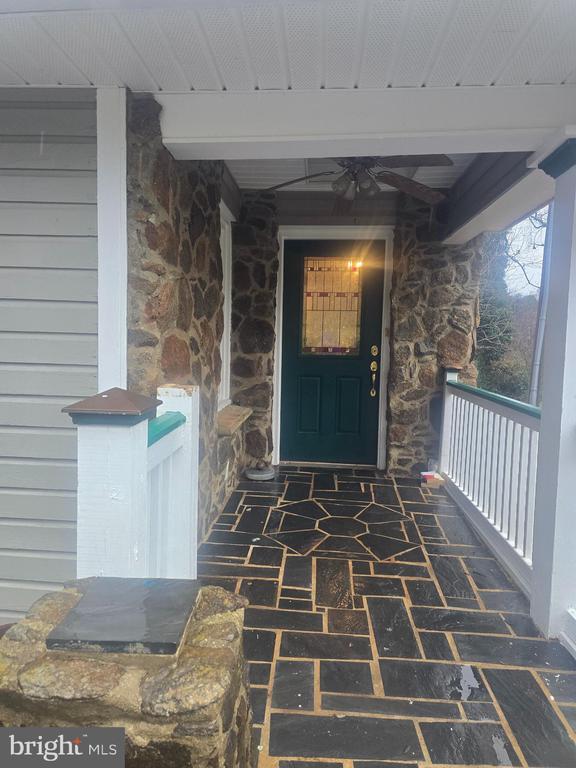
x=138 y=491
x=488 y=457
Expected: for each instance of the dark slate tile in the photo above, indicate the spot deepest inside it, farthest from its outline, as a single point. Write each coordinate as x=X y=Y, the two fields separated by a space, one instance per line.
x=394 y=529
x=463 y=602
x=237 y=537
x=249 y=571
x=259 y=591
x=570 y=715
x=345 y=677
x=208 y=550
x=266 y=556
x=454 y=620
x=407 y=493
x=260 y=501
x=308 y=508
x=344 y=509
x=342 y=496
x=532 y=719
x=293 y=686
x=522 y=625
x=258 y=673
x=452 y=577
x=477 y=710
x=401 y=569
x=391 y=626
x=310 y=645
x=258 y=644
x=423 y=592
x=297 y=572
x=333 y=584
x=291 y=522
x=374 y=514
x=256 y=741
x=345 y=485
x=457 y=531
x=344 y=544
x=415 y=555
x=258 y=698
x=436 y=646
x=261 y=486
x=378 y=586
x=514 y=651
x=487 y=574
x=342 y=526
x=398 y=707
x=271 y=619
x=457 y=550
x=514 y=602
x=343 y=738
x=468 y=744
x=232 y=504
x=274 y=521
x=331 y=554
x=308 y=764
x=301 y=542
x=360 y=568
x=431 y=508
x=431 y=531
x=433 y=680
x=562 y=686
x=296 y=492
x=382 y=547
x=289 y=603
x=299 y=594
x=323 y=482
x=362 y=764
x=386 y=494
x=347 y=622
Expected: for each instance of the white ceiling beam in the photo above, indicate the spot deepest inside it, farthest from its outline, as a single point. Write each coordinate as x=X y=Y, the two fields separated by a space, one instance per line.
x=43 y=6
x=271 y=124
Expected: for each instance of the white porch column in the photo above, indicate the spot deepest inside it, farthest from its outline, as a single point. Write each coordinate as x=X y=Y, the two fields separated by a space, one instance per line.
x=554 y=554
x=111 y=173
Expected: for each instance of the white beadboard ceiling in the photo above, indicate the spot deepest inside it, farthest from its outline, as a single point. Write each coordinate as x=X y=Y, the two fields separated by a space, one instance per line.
x=281 y=44
x=260 y=174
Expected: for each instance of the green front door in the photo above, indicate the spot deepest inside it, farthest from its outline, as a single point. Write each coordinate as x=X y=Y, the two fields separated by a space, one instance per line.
x=331 y=335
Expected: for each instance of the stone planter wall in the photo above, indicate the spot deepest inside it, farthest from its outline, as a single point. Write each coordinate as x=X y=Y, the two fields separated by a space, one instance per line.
x=434 y=316
x=175 y=317
x=254 y=280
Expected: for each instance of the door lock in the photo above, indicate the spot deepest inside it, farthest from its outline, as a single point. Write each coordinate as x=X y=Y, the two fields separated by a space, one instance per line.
x=373 y=365
x=373 y=350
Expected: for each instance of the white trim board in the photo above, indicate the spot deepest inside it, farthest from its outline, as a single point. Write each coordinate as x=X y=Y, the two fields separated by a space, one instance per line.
x=111 y=174
x=334 y=232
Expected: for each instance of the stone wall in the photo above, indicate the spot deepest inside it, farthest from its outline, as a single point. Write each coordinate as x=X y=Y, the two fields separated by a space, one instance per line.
x=175 y=317
x=434 y=316
x=254 y=280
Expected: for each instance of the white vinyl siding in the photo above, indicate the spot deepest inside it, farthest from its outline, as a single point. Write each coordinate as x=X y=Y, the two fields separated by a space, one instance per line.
x=48 y=332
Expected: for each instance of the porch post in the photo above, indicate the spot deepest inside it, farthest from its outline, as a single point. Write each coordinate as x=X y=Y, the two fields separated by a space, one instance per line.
x=554 y=558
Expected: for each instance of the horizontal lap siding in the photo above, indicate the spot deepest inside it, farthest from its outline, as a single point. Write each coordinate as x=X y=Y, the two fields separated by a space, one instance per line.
x=48 y=335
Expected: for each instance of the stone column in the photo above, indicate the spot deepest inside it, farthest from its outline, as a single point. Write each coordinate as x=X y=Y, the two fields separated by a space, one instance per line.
x=254 y=280
x=434 y=316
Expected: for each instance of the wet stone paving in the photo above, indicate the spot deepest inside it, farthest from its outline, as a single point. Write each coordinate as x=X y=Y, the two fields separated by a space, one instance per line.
x=381 y=632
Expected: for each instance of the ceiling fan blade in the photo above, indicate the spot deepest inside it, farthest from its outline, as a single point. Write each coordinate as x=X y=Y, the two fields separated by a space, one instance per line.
x=300 y=178
x=412 y=161
x=411 y=187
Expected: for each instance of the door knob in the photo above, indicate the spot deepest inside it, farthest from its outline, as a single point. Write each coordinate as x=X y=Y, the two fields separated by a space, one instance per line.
x=373 y=365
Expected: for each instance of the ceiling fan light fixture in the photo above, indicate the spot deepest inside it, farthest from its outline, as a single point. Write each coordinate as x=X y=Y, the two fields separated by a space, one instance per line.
x=344 y=185
x=367 y=184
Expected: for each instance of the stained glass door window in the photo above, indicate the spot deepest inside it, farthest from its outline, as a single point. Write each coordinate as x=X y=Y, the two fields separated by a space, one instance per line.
x=331 y=306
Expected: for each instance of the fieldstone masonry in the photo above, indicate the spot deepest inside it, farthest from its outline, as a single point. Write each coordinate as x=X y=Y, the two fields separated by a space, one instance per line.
x=184 y=709
x=254 y=280
x=175 y=299
x=434 y=316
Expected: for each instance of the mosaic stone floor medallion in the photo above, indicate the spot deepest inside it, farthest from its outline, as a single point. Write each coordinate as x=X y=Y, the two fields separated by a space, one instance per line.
x=381 y=632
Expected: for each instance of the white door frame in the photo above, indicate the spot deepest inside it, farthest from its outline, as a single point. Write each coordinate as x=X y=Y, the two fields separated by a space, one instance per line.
x=335 y=232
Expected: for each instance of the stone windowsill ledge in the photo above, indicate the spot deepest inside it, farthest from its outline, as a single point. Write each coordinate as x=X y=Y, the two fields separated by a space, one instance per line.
x=230 y=419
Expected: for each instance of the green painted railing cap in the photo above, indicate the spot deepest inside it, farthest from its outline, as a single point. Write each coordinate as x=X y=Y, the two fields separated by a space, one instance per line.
x=493 y=397
x=163 y=425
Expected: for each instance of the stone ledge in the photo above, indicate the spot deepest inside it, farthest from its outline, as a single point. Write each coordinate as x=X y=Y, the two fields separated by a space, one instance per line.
x=231 y=418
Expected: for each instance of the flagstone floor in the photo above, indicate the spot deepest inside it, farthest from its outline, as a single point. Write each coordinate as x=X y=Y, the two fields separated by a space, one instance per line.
x=381 y=633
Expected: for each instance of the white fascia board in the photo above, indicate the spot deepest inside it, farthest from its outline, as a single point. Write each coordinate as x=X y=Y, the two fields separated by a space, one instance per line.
x=270 y=124
x=44 y=6
x=532 y=192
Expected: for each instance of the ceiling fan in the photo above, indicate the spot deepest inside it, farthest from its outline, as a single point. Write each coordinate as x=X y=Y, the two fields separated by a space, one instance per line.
x=359 y=177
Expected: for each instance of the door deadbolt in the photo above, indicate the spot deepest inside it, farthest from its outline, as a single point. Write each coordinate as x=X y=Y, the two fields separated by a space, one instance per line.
x=373 y=350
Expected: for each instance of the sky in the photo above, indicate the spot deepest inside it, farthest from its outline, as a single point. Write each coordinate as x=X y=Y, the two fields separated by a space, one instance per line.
x=527 y=248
